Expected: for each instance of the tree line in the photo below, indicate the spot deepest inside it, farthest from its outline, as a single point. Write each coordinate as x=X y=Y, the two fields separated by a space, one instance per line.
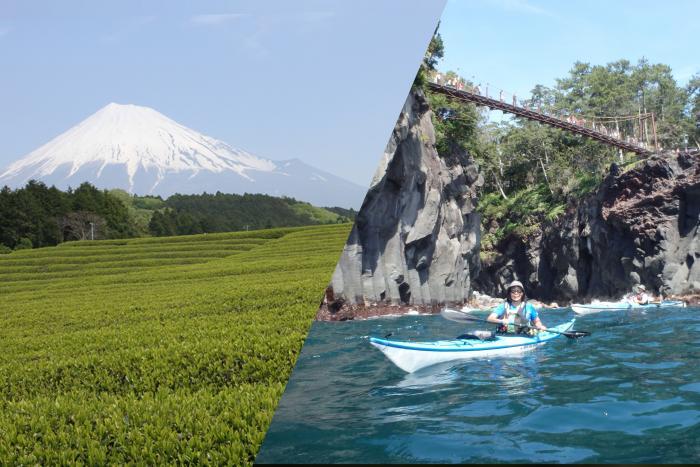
x=532 y=171
x=221 y=212
x=37 y=215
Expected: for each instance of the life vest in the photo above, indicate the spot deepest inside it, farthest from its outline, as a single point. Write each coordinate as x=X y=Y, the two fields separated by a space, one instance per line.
x=516 y=318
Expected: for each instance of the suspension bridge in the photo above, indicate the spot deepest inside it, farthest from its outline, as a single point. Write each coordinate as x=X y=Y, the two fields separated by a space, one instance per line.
x=590 y=128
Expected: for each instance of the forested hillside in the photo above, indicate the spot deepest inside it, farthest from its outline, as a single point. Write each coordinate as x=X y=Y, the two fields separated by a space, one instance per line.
x=37 y=215
x=532 y=171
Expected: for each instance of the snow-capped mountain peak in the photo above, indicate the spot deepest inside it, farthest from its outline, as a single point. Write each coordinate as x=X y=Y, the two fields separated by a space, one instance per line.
x=140 y=150
x=135 y=137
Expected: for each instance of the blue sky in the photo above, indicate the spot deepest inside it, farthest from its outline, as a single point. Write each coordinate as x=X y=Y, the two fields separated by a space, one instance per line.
x=322 y=81
x=516 y=44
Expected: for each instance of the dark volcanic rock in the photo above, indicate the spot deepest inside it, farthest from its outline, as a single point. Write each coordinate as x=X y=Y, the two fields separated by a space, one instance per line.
x=416 y=238
x=640 y=227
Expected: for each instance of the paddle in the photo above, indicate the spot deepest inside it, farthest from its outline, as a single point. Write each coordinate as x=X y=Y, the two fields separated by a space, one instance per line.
x=666 y=302
x=460 y=316
x=661 y=303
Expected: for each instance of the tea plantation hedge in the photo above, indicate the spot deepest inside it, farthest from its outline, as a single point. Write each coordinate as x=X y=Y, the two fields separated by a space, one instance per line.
x=155 y=350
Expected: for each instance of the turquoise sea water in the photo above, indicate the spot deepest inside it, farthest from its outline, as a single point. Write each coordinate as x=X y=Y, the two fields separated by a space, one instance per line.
x=629 y=393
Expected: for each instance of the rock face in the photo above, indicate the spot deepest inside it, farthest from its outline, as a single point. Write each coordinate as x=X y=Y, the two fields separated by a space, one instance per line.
x=416 y=238
x=640 y=227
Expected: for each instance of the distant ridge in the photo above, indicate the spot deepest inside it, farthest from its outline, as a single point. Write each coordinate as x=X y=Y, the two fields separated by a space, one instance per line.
x=144 y=152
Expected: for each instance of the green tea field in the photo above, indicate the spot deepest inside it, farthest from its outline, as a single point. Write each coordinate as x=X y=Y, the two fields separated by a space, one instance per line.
x=155 y=350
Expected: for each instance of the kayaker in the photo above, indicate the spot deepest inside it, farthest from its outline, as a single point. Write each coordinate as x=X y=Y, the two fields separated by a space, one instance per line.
x=639 y=296
x=516 y=310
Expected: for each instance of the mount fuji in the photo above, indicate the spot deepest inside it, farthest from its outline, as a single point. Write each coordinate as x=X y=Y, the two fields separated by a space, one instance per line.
x=144 y=152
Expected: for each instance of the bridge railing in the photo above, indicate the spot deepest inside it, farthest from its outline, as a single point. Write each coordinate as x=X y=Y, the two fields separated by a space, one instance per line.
x=579 y=124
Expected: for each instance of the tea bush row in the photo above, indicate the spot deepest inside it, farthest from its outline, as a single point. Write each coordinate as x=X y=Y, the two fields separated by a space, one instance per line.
x=182 y=363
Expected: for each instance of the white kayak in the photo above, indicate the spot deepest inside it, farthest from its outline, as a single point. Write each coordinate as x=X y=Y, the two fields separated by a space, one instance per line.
x=623 y=305
x=412 y=356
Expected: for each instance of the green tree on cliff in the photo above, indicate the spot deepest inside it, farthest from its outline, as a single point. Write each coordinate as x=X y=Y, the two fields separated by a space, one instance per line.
x=622 y=89
x=693 y=91
x=434 y=52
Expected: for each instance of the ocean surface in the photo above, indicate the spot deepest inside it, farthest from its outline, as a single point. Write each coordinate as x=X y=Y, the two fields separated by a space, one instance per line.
x=628 y=393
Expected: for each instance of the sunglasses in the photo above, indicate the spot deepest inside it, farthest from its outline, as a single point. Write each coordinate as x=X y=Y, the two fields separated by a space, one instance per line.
x=516 y=290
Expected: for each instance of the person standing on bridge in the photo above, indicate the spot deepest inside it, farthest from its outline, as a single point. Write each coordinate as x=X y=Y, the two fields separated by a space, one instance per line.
x=515 y=312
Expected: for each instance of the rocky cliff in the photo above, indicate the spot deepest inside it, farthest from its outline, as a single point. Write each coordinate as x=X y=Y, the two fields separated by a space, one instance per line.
x=640 y=227
x=416 y=237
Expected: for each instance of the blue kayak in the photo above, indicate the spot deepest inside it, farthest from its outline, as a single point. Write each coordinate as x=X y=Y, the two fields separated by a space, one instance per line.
x=412 y=356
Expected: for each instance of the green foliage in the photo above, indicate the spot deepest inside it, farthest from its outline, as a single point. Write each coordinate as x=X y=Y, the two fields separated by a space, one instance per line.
x=163 y=224
x=121 y=195
x=111 y=356
x=516 y=154
x=140 y=208
x=434 y=52
x=193 y=214
x=532 y=171
x=693 y=110
x=455 y=124
x=344 y=215
x=555 y=212
x=583 y=184
x=620 y=88
x=316 y=215
x=541 y=169
x=48 y=216
x=23 y=244
x=521 y=214
x=150 y=203
x=524 y=211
